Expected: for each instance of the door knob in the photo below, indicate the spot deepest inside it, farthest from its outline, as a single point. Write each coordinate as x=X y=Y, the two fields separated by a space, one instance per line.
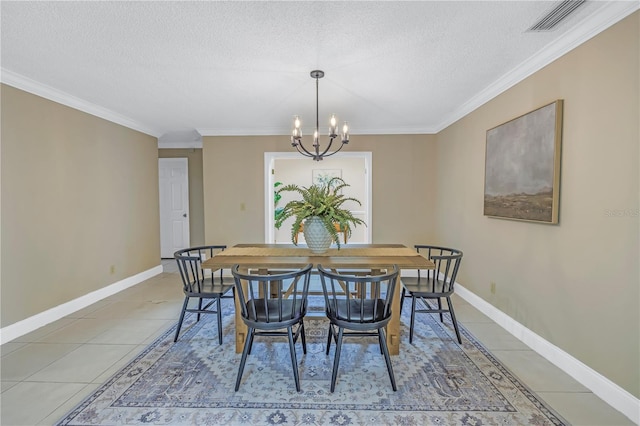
x=184 y=215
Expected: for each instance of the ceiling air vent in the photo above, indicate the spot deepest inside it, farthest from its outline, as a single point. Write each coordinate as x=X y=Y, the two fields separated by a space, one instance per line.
x=549 y=21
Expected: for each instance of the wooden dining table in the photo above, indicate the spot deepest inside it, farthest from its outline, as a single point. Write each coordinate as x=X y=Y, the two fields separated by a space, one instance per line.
x=375 y=257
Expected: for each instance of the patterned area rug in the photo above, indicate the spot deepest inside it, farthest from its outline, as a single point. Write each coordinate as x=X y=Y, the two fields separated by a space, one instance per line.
x=191 y=382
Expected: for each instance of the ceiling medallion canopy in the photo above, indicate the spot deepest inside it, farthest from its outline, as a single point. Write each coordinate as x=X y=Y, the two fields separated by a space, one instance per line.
x=316 y=152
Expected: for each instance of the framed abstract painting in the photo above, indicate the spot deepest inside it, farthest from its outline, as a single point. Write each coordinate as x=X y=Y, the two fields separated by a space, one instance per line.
x=522 y=166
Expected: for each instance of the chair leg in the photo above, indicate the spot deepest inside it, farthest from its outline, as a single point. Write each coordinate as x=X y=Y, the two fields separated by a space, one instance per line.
x=440 y=308
x=413 y=319
x=250 y=334
x=329 y=338
x=336 y=359
x=453 y=319
x=243 y=360
x=304 y=339
x=218 y=305
x=383 y=344
x=184 y=309
x=294 y=360
x=402 y=300
x=199 y=308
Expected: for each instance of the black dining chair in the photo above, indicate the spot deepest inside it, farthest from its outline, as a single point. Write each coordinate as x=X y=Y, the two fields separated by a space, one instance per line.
x=361 y=305
x=267 y=311
x=434 y=284
x=196 y=285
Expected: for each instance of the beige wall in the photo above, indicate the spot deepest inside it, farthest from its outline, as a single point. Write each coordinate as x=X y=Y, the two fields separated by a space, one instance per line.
x=575 y=284
x=402 y=203
x=196 y=197
x=79 y=194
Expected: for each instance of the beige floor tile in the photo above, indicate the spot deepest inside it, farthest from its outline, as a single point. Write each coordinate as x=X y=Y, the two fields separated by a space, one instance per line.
x=27 y=403
x=117 y=309
x=466 y=313
x=155 y=309
x=150 y=293
x=494 y=337
x=7 y=385
x=584 y=409
x=31 y=358
x=160 y=331
x=87 y=310
x=82 y=365
x=80 y=331
x=129 y=332
x=67 y=406
x=458 y=301
x=37 y=335
x=9 y=347
x=128 y=357
x=539 y=374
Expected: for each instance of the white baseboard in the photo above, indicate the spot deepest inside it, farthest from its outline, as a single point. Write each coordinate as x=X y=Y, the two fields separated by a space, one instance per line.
x=34 y=322
x=604 y=388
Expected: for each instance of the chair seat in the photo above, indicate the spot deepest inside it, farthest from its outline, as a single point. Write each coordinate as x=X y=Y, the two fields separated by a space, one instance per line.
x=356 y=315
x=216 y=290
x=273 y=309
x=423 y=287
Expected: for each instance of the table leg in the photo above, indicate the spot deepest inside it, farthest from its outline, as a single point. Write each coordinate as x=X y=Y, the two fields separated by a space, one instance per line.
x=393 y=327
x=241 y=327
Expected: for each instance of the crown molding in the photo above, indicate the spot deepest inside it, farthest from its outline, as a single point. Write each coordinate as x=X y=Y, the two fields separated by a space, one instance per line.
x=598 y=21
x=180 y=145
x=28 y=85
x=418 y=130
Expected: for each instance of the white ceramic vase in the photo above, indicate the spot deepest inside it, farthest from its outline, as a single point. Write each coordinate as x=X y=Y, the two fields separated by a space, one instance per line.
x=316 y=235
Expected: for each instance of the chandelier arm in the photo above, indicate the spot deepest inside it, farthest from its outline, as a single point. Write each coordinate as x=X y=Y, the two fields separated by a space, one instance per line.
x=328 y=147
x=304 y=150
x=334 y=152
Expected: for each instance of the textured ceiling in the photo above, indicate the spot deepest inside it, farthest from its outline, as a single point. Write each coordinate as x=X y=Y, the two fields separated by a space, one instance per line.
x=242 y=68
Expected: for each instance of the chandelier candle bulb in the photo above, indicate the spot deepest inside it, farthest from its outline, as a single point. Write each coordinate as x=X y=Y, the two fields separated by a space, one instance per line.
x=332 y=127
x=345 y=133
x=296 y=133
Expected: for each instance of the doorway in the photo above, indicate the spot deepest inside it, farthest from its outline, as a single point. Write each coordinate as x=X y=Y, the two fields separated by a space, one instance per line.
x=291 y=167
x=174 y=205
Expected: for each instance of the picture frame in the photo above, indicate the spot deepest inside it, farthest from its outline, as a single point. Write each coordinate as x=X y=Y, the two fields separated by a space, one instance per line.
x=322 y=176
x=522 y=166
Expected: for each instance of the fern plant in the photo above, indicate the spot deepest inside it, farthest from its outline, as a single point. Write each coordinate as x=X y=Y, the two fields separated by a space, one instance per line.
x=324 y=201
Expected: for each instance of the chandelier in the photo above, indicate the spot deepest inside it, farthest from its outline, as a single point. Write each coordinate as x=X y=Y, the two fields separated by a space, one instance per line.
x=316 y=152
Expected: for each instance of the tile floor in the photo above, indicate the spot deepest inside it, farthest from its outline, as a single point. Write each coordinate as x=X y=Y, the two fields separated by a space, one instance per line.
x=47 y=372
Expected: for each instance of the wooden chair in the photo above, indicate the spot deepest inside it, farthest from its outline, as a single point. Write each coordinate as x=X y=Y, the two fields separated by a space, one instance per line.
x=364 y=309
x=196 y=286
x=266 y=311
x=435 y=284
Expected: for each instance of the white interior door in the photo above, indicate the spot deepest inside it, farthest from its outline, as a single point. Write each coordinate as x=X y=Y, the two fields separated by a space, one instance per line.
x=174 y=205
